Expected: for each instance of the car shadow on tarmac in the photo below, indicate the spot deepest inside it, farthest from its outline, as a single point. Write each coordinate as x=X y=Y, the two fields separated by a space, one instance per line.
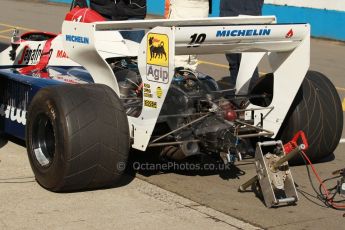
x=149 y=164
x=126 y=179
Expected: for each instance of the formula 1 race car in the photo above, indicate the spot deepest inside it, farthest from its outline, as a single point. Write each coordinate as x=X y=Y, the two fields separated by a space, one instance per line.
x=81 y=99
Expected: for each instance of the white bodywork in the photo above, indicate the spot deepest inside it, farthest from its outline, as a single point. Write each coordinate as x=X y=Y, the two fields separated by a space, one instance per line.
x=286 y=47
x=29 y=53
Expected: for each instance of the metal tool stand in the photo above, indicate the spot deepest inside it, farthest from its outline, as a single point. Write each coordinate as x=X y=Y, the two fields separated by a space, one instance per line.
x=273 y=173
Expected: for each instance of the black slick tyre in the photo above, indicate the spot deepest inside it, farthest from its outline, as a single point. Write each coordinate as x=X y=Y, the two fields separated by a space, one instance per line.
x=77 y=137
x=316 y=110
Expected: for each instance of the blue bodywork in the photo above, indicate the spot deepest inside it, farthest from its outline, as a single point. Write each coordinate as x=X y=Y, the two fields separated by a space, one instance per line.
x=18 y=90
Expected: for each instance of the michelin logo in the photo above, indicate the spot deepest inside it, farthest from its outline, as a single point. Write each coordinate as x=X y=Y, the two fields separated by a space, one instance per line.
x=77 y=39
x=10 y=112
x=243 y=33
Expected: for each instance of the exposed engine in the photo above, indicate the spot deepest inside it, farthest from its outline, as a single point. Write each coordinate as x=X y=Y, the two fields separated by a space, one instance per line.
x=196 y=118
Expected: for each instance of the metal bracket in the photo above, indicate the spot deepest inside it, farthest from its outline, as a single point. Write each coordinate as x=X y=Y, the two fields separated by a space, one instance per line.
x=273 y=173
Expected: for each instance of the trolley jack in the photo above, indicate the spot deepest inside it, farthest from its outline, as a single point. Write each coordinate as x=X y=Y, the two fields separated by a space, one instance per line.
x=273 y=173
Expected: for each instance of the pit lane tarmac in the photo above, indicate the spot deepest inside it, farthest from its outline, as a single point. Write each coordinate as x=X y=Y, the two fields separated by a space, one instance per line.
x=218 y=188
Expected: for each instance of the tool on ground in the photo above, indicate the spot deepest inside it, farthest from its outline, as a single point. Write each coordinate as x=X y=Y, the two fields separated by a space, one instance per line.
x=340 y=187
x=273 y=173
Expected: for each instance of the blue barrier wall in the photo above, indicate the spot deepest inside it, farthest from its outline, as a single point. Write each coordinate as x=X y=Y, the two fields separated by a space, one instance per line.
x=324 y=23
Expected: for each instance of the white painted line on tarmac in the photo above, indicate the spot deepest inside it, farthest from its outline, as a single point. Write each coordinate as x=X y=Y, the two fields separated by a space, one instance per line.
x=4 y=31
x=14 y=26
x=190 y=207
x=340 y=88
x=213 y=64
x=6 y=37
x=342 y=141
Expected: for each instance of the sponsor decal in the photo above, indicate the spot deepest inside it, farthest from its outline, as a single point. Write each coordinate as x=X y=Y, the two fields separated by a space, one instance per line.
x=38 y=73
x=289 y=34
x=159 y=92
x=157 y=57
x=68 y=79
x=243 y=33
x=77 y=39
x=150 y=104
x=147 y=91
x=158 y=49
x=158 y=74
x=31 y=56
x=197 y=40
x=61 y=54
x=149 y=95
x=13 y=113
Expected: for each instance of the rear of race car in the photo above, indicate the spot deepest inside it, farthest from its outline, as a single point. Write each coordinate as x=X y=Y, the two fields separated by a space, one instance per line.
x=88 y=95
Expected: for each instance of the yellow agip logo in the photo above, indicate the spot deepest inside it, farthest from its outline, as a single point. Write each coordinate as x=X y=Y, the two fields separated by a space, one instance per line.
x=158 y=49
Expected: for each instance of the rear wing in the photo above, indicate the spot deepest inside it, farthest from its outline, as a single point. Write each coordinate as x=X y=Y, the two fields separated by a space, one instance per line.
x=285 y=46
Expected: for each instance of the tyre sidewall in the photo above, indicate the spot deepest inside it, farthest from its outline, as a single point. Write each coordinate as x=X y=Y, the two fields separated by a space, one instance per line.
x=317 y=111
x=50 y=177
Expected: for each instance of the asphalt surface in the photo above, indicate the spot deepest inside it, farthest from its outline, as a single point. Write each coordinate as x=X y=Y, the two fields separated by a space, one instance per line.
x=138 y=205
x=218 y=189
